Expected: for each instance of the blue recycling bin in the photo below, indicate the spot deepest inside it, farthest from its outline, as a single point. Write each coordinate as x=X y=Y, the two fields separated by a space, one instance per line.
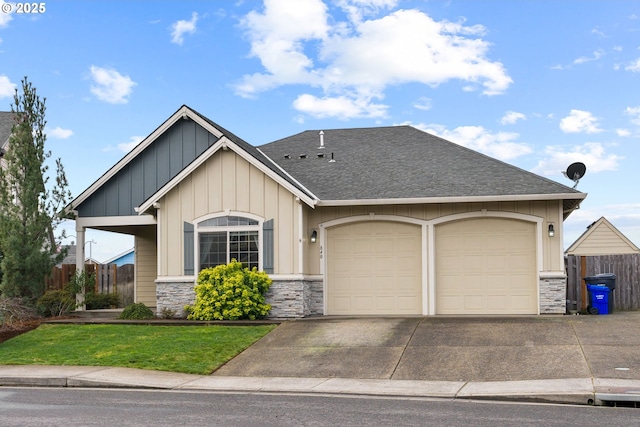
x=604 y=279
x=599 y=299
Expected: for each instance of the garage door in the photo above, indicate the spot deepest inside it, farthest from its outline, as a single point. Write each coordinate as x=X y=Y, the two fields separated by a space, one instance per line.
x=374 y=267
x=486 y=266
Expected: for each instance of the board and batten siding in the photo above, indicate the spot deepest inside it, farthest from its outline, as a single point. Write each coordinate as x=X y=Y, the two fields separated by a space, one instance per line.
x=145 y=174
x=550 y=211
x=224 y=182
x=146 y=266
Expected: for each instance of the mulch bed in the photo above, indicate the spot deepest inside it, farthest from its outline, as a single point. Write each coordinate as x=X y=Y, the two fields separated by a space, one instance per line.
x=18 y=328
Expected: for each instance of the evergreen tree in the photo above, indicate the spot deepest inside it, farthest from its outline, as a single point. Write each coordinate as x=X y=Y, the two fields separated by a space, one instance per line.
x=29 y=210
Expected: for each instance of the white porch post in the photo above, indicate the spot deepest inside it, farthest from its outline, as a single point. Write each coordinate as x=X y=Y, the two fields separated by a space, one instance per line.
x=80 y=263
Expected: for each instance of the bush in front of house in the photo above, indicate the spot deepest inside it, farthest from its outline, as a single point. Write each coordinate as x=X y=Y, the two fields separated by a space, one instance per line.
x=56 y=303
x=101 y=301
x=137 y=311
x=230 y=292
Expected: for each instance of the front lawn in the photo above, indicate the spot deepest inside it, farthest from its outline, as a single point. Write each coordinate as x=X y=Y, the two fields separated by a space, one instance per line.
x=189 y=349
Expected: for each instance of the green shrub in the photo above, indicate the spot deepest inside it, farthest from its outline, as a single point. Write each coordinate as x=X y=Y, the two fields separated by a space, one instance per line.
x=56 y=303
x=230 y=292
x=81 y=282
x=101 y=301
x=137 y=311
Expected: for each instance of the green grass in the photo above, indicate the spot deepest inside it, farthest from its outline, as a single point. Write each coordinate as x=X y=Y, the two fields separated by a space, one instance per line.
x=189 y=349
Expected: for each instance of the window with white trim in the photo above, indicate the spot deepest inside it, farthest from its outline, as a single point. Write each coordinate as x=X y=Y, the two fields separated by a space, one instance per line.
x=224 y=238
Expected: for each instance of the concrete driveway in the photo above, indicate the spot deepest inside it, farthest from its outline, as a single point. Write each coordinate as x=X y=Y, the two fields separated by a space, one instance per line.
x=447 y=348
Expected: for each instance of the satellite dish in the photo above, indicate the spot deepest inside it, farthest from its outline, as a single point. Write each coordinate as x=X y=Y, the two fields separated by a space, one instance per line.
x=575 y=171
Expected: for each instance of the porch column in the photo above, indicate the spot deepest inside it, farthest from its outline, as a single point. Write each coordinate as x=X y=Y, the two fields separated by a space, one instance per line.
x=80 y=264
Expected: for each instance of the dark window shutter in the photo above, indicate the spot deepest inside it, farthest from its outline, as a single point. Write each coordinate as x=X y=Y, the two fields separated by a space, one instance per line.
x=188 y=249
x=267 y=246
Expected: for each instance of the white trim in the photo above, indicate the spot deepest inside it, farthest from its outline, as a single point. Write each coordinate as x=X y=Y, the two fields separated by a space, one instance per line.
x=159 y=260
x=227 y=212
x=457 y=199
x=292 y=277
x=429 y=249
x=225 y=144
x=553 y=275
x=183 y=112
x=110 y=260
x=289 y=175
x=175 y=279
x=301 y=238
x=104 y=221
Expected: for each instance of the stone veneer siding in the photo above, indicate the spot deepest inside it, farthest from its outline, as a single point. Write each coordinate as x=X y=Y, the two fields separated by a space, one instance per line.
x=553 y=294
x=174 y=296
x=288 y=298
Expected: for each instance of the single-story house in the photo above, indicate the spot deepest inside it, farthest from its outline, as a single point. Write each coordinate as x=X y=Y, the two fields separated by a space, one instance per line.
x=371 y=221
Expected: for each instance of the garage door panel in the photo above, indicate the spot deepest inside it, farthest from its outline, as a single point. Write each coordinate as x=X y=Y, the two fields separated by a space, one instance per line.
x=496 y=260
x=375 y=268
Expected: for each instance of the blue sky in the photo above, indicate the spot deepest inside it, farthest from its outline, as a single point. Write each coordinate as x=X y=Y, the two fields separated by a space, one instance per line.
x=538 y=84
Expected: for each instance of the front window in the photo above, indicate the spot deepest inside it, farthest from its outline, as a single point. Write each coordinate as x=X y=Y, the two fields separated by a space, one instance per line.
x=222 y=239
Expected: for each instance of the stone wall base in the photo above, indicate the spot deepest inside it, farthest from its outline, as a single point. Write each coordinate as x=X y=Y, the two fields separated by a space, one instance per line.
x=553 y=294
x=288 y=298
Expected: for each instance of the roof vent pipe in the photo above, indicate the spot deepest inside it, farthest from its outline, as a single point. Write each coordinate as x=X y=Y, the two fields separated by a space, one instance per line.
x=321 y=139
x=332 y=159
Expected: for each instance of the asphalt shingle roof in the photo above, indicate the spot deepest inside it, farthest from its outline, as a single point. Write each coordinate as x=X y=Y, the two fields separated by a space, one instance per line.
x=6 y=123
x=399 y=162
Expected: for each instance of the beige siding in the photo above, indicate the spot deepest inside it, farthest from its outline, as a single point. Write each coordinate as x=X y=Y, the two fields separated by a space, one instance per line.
x=550 y=211
x=146 y=267
x=228 y=182
x=603 y=239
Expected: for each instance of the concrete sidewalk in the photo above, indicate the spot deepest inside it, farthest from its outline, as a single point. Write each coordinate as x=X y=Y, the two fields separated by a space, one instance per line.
x=562 y=359
x=582 y=391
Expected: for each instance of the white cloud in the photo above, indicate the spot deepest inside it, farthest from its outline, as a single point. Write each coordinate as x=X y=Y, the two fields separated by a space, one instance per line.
x=5 y=18
x=59 y=133
x=623 y=132
x=501 y=145
x=511 y=117
x=340 y=107
x=111 y=86
x=128 y=146
x=7 y=89
x=592 y=154
x=579 y=121
x=634 y=66
x=359 y=58
x=634 y=112
x=182 y=27
x=596 y=55
x=423 y=104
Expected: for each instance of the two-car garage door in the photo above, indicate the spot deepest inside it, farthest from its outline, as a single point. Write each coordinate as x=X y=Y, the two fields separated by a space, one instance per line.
x=482 y=266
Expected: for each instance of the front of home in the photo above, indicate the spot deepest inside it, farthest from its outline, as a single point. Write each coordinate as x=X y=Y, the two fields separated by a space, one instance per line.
x=373 y=221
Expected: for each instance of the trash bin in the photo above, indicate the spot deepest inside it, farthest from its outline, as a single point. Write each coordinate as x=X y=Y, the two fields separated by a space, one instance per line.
x=606 y=279
x=599 y=299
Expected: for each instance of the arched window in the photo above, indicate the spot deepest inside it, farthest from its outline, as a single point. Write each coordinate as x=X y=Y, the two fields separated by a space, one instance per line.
x=223 y=238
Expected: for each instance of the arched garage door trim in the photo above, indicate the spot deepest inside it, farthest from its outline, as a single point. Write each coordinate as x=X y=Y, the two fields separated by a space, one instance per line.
x=538 y=221
x=373 y=217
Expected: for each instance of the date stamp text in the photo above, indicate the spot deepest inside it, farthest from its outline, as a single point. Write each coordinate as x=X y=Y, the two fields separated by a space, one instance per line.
x=25 y=8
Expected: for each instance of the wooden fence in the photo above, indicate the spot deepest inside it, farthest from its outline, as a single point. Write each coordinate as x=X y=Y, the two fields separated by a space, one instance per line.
x=626 y=296
x=109 y=279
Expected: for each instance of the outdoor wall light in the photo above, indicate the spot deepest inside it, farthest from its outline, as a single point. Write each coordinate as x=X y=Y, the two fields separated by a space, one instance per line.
x=552 y=232
x=314 y=236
